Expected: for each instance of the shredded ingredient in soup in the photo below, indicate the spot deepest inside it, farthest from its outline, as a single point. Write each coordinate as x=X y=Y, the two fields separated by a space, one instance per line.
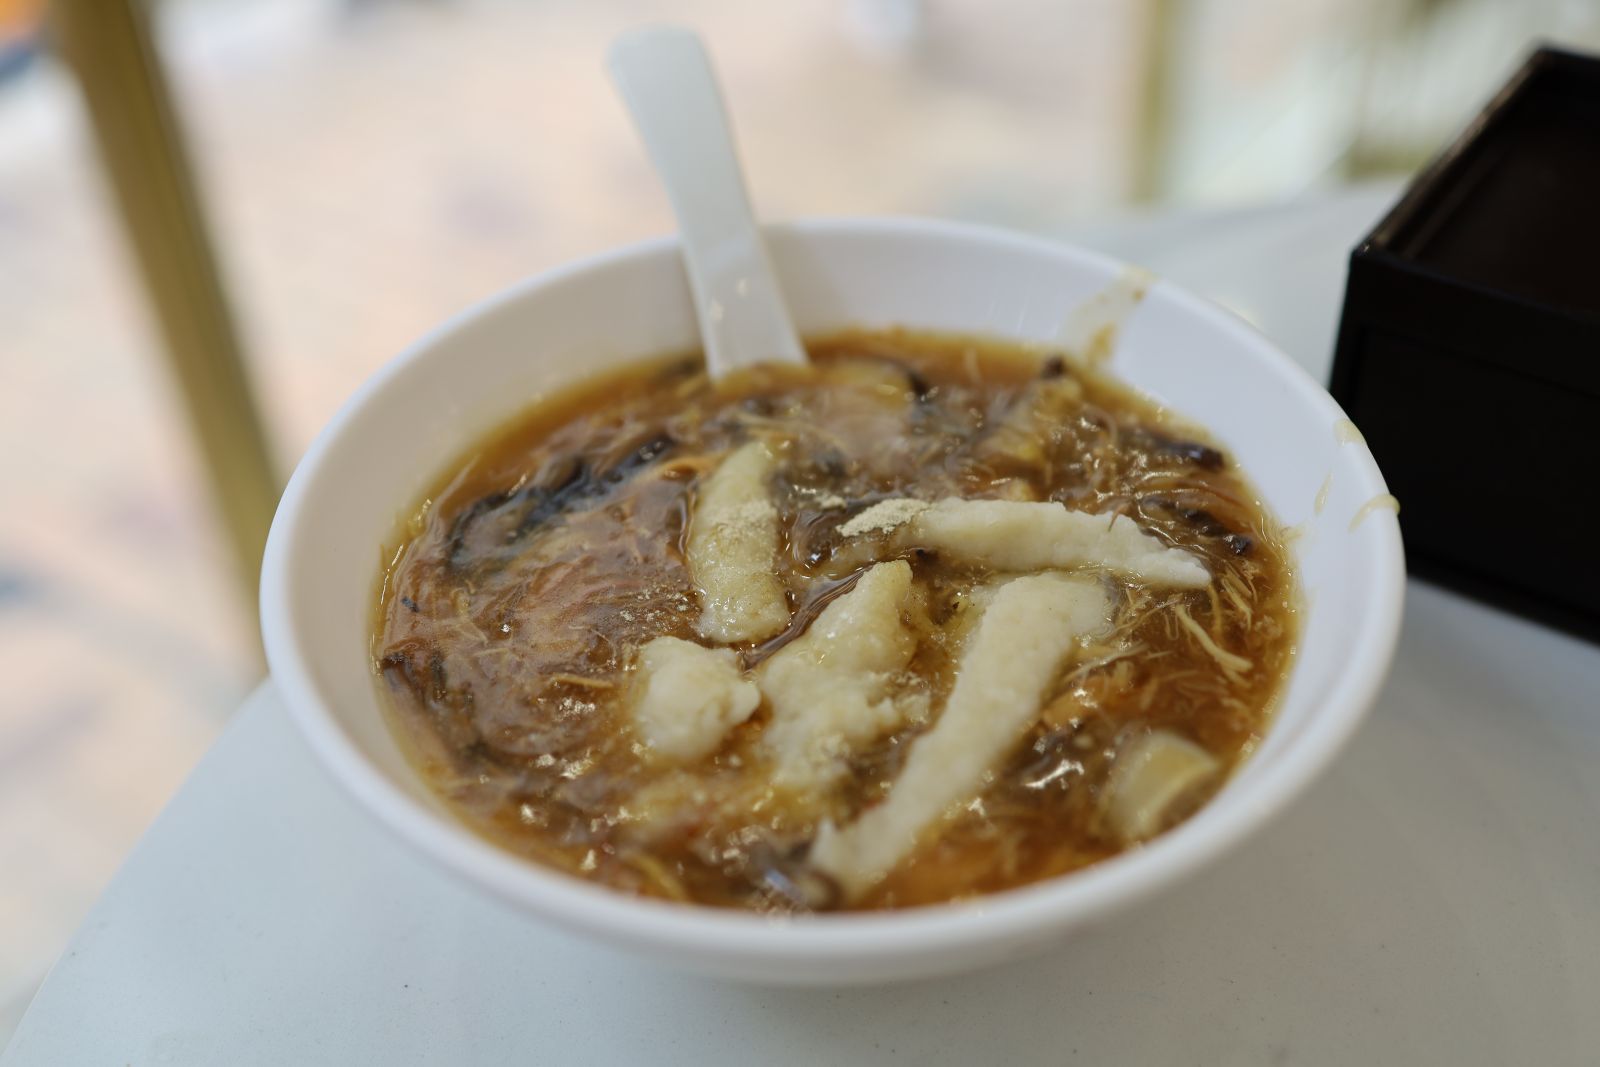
x=929 y=618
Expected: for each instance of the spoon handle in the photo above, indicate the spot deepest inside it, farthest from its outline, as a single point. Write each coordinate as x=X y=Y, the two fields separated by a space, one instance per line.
x=665 y=78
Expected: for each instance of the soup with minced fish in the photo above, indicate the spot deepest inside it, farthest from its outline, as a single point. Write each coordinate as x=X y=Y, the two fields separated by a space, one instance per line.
x=928 y=618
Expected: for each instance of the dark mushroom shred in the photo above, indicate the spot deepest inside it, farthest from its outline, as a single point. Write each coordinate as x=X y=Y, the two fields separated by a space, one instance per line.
x=504 y=518
x=1201 y=455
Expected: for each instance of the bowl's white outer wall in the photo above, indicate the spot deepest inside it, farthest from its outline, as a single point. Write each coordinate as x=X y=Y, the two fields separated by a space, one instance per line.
x=406 y=424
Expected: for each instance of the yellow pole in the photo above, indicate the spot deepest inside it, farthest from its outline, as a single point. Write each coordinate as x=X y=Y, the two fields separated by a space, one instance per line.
x=110 y=48
x=1153 y=120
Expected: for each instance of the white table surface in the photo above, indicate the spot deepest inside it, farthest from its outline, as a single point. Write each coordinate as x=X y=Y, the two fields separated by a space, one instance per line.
x=1434 y=899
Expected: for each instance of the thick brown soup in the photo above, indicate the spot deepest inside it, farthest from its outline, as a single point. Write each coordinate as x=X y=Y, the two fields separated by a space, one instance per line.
x=658 y=635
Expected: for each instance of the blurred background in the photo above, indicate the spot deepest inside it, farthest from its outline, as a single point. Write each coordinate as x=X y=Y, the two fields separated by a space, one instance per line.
x=366 y=167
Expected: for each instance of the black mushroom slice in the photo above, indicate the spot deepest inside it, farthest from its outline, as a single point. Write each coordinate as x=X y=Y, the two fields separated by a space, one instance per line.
x=421 y=670
x=923 y=390
x=1201 y=522
x=1193 y=452
x=493 y=527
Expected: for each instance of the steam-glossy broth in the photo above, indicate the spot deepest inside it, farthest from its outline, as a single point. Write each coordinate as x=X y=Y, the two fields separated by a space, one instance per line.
x=511 y=621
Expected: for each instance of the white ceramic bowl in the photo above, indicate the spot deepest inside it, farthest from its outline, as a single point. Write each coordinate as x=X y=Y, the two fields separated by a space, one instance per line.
x=413 y=418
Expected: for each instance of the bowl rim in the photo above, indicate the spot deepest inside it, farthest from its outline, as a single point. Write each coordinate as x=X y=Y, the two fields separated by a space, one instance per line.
x=1037 y=909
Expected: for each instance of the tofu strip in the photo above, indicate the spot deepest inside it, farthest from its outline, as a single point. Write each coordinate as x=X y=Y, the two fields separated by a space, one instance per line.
x=1021 y=640
x=733 y=538
x=687 y=698
x=1022 y=536
x=828 y=689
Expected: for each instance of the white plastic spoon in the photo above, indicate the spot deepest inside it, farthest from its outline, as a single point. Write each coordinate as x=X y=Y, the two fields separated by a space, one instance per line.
x=665 y=78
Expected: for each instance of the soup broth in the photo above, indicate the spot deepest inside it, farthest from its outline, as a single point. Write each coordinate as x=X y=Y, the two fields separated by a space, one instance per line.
x=929 y=618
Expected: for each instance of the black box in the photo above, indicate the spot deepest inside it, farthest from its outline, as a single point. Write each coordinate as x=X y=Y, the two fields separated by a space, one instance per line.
x=1469 y=350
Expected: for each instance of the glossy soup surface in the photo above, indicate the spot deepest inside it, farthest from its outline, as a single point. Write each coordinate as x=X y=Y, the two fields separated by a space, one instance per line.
x=509 y=622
